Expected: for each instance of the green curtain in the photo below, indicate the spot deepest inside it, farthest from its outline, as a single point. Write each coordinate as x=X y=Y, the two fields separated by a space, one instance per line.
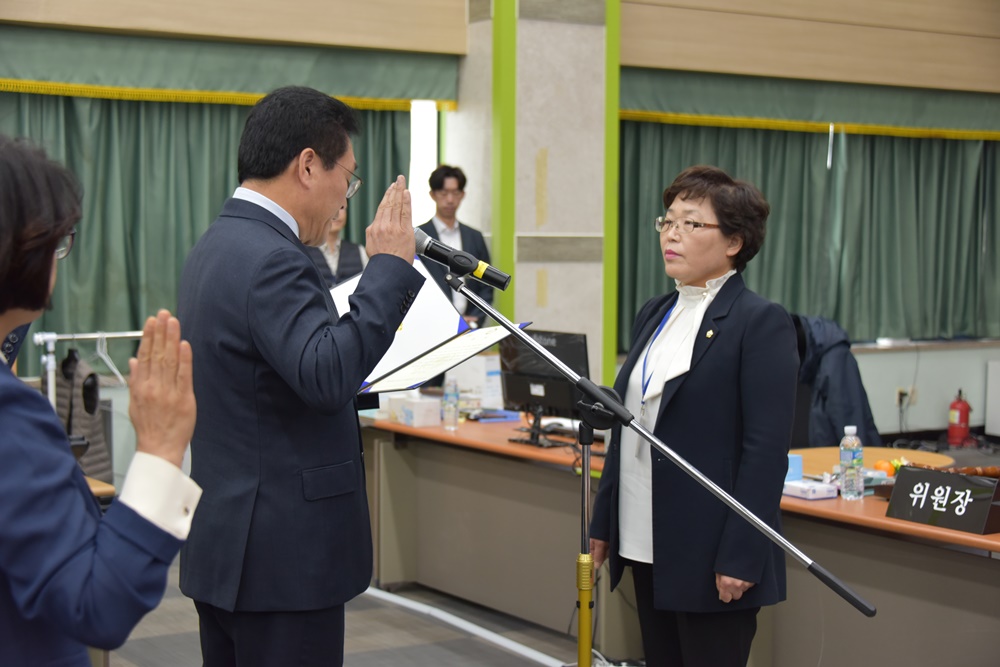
x=154 y=176
x=383 y=153
x=898 y=238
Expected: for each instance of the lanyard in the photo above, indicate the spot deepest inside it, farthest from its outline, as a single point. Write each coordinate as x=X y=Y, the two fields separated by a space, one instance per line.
x=646 y=379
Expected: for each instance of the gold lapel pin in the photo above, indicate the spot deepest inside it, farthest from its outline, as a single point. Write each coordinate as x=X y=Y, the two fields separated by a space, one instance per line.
x=709 y=333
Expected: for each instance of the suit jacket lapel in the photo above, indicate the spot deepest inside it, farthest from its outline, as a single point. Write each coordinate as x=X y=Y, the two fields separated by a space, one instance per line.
x=432 y=230
x=709 y=331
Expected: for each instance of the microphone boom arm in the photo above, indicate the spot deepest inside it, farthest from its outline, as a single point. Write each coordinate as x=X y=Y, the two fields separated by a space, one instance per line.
x=599 y=396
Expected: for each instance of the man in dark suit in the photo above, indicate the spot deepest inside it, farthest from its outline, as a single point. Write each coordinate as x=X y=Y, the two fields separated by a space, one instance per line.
x=283 y=539
x=447 y=190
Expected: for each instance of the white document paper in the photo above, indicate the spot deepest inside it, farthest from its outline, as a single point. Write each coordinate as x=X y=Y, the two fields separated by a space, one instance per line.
x=432 y=338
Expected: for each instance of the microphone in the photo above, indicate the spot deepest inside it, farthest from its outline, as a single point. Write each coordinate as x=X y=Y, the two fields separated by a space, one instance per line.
x=458 y=262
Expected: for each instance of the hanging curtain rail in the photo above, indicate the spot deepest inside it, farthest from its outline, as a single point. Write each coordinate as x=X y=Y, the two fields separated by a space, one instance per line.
x=49 y=339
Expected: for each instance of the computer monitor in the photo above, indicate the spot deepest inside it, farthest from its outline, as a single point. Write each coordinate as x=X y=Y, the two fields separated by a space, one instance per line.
x=531 y=384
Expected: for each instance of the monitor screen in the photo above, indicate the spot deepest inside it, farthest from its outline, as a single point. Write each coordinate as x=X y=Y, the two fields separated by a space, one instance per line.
x=532 y=384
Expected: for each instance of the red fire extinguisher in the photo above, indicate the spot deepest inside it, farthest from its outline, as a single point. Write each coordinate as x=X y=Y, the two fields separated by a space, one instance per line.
x=958 y=421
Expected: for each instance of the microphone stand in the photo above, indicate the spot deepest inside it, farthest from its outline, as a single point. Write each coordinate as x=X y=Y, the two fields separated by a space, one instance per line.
x=603 y=401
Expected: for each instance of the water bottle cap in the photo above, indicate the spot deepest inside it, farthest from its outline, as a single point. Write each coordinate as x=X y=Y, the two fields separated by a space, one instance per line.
x=850 y=430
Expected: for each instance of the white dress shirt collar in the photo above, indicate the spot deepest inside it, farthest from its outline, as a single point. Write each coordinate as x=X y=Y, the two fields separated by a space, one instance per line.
x=442 y=228
x=711 y=286
x=264 y=202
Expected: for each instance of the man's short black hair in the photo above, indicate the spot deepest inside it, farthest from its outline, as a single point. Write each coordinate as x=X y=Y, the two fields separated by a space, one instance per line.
x=39 y=205
x=286 y=122
x=445 y=171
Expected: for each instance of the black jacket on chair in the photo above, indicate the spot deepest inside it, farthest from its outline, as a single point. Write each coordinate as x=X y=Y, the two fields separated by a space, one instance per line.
x=838 y=396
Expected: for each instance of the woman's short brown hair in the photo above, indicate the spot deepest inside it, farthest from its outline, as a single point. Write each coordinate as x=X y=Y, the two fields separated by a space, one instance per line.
x=739 y=206
x=39 y=205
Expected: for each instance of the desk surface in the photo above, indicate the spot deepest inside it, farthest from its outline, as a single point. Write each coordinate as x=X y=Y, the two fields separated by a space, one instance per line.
x=100 y=489
x=492 y=437
x=870 y=511
x=817 y=460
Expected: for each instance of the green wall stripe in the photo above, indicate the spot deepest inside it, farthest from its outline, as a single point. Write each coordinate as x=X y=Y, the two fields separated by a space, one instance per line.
x=864 y=108
x=155 y=66
x=612 y=50
x=503 y=146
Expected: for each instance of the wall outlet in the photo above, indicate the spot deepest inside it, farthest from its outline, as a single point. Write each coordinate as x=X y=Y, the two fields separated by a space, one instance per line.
x=906 y=396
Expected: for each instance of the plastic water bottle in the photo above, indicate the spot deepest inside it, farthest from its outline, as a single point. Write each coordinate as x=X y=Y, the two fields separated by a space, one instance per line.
x=449 y=408
x=852 y=479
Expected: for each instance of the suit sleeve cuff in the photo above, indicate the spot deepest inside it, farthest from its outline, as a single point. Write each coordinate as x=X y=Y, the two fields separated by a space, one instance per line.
x=160 y=493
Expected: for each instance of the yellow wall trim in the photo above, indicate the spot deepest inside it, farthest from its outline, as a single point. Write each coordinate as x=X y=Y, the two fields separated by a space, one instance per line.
x=184 y=96
x=806 y=126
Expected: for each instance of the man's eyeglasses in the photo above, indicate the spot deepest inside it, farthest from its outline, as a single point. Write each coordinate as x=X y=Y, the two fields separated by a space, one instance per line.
x=683 y=226
x=65 y=245
x=355 y=184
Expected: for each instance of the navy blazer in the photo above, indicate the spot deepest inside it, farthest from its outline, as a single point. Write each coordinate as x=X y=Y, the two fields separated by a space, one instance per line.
x=12 y=343
x=69 y=577
x=730 y=416
x=474 y=244
x=283 y=520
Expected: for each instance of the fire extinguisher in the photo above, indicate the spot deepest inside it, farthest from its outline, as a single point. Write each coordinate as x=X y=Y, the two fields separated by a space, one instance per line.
x=958 y=421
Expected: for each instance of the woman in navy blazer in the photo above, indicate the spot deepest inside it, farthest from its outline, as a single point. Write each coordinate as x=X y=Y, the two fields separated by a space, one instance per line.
x=711 y=371
x=70 y=577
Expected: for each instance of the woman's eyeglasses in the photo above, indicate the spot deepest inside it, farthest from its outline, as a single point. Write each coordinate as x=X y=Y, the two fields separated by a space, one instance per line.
x=683 y=226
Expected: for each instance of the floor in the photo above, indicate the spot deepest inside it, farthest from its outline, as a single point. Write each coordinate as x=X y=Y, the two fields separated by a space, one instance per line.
x=378 y=634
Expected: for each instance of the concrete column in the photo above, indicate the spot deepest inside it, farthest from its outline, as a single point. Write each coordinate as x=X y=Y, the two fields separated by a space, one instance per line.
x=541 y=200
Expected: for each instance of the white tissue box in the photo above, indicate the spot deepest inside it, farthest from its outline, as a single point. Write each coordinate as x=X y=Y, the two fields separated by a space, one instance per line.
x=810 y=490
x=422 y=412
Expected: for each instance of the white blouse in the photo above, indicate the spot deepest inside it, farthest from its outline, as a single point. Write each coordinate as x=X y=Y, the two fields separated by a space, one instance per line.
x=666 y=356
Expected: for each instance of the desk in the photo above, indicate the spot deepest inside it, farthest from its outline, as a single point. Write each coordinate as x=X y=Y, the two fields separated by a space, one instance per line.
x=937 y=590
x=100 y=489
x=496 y=523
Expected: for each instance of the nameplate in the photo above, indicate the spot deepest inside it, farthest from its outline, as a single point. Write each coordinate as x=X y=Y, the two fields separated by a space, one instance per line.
x=945 y=500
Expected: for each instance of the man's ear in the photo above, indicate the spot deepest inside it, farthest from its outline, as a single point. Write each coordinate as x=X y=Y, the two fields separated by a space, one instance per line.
x=305 y=163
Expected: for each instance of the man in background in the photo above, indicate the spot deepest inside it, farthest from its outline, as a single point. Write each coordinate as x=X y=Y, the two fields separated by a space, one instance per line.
x=338 y=259
x=282 y=539
x=447 y=190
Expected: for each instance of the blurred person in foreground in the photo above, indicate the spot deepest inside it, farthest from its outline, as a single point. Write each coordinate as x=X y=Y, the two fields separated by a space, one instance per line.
x=70 y=577
x=711 y=372
x=283 y=537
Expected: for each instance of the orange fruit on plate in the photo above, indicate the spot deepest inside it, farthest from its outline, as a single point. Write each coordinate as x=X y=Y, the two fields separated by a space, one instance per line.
x=886 y=466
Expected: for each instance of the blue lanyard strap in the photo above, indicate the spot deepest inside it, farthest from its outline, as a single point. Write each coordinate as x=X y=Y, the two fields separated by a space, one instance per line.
x=646 y=379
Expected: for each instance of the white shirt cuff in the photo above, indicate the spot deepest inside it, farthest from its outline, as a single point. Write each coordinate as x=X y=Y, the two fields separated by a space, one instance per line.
x=160 y=493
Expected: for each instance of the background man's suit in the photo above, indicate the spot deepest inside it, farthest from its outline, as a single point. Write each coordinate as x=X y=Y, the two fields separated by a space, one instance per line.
x=283 y=522
x=742 y=379
x=474 y=244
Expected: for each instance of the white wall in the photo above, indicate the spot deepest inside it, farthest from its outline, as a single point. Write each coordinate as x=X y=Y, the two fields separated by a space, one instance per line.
x=937 y=370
